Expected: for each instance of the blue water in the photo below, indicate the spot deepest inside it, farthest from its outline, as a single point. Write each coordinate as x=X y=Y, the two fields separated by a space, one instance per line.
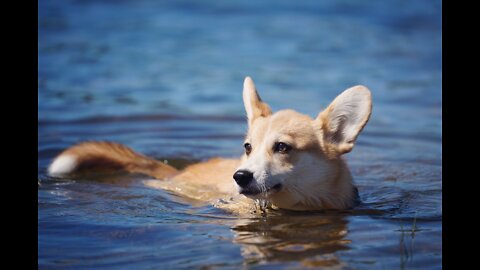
x=165 y=78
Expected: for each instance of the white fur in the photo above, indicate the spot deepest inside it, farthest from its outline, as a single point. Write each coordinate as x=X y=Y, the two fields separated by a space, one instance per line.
x=64 y=164
x=309 y=180
x=257 y=164
x=305 y=181
x=350 y=111
x=249 y=92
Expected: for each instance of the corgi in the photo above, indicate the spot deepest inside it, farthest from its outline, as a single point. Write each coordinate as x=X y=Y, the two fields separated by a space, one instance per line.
x=291 y=161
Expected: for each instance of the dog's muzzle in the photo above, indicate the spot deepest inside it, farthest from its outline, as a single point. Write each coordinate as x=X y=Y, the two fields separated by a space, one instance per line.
x=244 y=180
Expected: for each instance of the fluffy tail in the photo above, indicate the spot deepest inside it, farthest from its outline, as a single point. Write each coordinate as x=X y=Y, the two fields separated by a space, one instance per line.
x=105 y=157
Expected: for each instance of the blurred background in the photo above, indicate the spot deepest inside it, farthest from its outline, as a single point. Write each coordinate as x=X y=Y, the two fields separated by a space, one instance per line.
x=165 y=78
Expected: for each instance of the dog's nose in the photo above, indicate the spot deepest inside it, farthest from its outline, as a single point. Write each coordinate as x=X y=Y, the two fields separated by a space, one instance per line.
x=243 y=177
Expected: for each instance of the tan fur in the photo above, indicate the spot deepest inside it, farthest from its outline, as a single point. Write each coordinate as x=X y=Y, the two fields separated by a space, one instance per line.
x=253 y=103
x=105 y=157
x=331 y=137
x=311 y=176
x=299 y=131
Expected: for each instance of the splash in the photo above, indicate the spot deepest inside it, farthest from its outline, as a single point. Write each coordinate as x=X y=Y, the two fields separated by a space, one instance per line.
x=261 y=206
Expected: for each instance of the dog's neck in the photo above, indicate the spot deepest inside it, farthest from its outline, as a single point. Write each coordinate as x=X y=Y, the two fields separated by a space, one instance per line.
x=335 y=193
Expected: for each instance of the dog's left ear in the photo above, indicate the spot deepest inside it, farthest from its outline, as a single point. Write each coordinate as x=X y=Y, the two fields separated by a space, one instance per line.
x=345 y=117
x=253 y=103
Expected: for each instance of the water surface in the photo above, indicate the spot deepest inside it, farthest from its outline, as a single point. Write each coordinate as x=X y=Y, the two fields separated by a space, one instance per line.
x=165 y=78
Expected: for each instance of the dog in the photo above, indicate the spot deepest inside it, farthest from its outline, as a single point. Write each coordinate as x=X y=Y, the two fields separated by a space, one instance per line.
x=291 y=161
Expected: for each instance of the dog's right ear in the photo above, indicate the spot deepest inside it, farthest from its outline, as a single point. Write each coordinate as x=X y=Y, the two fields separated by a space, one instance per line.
x=253 y=103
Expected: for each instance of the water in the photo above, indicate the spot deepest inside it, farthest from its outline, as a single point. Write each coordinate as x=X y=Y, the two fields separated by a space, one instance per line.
x=165 y=78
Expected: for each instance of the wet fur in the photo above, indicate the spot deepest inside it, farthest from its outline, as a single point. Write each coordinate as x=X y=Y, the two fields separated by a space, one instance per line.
x=312 y=176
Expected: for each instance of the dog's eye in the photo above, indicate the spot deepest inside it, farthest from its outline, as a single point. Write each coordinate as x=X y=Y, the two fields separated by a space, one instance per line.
x=281 y=147
x=248 y=148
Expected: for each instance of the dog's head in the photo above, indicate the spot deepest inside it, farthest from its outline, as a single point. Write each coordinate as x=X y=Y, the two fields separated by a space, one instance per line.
x=293 y=160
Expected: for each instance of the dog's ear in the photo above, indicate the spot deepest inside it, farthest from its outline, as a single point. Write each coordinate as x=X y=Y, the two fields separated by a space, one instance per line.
x=345 y=117
x=253 y=103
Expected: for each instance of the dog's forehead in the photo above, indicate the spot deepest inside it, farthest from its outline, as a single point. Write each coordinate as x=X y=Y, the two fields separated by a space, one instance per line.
x=258 y=129
x=290 y=121
x=285 y=124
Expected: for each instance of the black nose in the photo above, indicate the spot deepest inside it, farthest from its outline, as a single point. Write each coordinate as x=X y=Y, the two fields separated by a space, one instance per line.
x=243 y=177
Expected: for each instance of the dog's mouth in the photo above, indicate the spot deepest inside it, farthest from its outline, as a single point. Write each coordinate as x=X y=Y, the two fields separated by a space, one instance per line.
x=253 y=191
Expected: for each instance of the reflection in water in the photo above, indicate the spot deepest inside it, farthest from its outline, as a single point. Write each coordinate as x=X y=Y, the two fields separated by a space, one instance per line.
x=293 y=237
x=406 y=244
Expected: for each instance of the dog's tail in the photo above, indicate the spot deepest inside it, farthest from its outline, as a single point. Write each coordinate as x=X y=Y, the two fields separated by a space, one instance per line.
x=106 y=157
